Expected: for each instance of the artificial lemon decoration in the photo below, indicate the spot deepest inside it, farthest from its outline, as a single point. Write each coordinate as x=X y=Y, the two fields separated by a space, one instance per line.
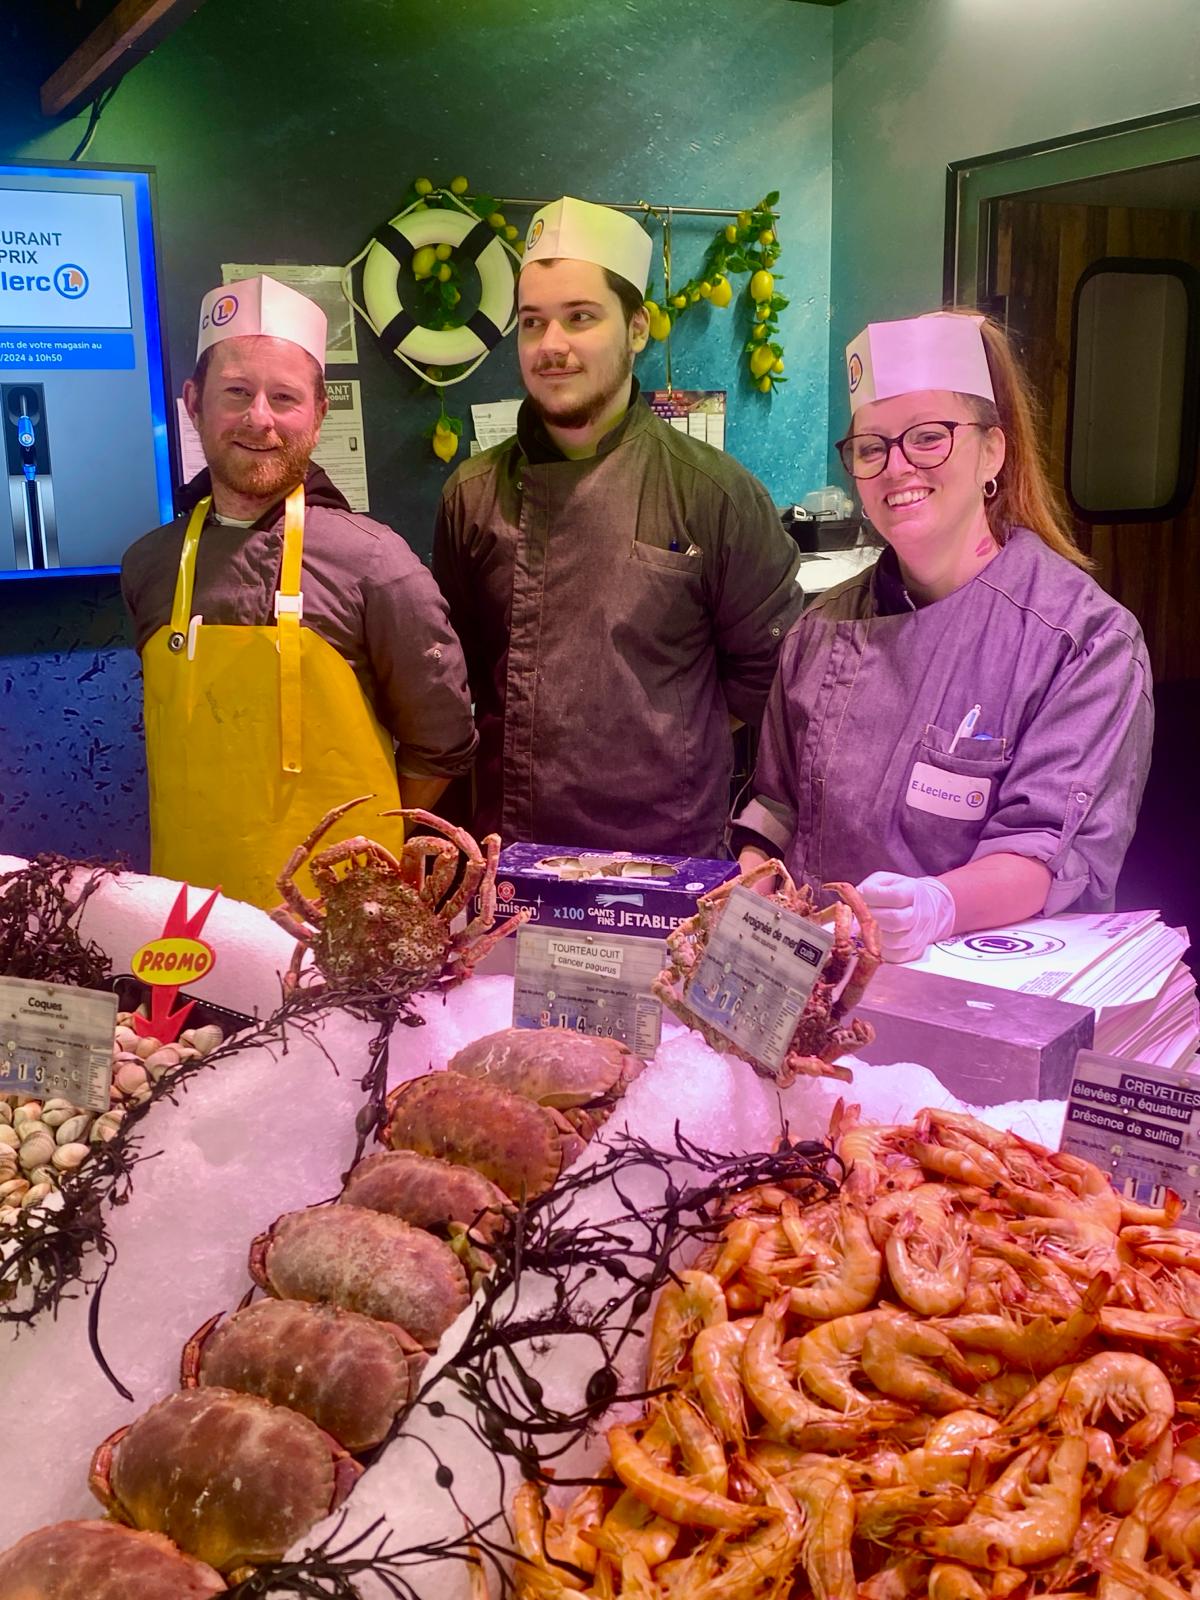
x=497 y=219
x=722 y=291
x=679 y=301
x=744 y=219
x=424 y=260
x=765 y=385
x=777 y=366
x=510 y=232
x=767 y=236
x=423 y=186
x=458 y=186
x=445 y=272
x=761 y=361
x=761 y=313
x=762 y=286
x=731 y=234
x=759 y=331
x=706 y=290
x=660 y=325
x=445 y=443
x=442 y=251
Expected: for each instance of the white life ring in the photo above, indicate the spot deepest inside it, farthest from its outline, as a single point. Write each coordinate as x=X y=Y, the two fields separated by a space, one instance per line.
x=395 y=243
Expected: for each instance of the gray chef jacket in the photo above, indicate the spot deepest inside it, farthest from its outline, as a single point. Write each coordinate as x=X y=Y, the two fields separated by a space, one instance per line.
x=365 y=593
x=871 y=691
x=614 y=613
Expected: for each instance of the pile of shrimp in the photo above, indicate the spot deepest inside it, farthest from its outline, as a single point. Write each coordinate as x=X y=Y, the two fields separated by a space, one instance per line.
x=968 y=1374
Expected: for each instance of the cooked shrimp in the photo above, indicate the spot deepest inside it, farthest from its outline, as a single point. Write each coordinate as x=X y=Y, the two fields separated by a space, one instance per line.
x=1175 y=1525
x=1134 y=1215
x=1172 y=1246
x=676 y=1498
x=538 y=1575
x=932 y=1202
x=700 y=1446
x=1126 y=1386
x=631 y=1528
x=879 y=1513
x=826 y=1508
x=874 y=1156
x=929 y=1264
x=696 y=1301
x=1146 y=1327
x=564 y=1536
x=849 y=1281
x=949 y=1581
x=737 y=1241
x=827 y=1357
x=794 y=1418
x=896 y=1357
x=1040 y=1529
x=902 y=1578
x=1142 y=1475
x=717 y=1374
x=1040 y=1343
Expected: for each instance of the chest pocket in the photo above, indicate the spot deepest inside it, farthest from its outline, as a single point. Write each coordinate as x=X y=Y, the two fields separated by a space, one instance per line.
x=687 y=563
x=948 y=797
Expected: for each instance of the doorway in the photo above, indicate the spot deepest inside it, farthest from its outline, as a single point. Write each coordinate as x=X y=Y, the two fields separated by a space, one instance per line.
x=1027 y=233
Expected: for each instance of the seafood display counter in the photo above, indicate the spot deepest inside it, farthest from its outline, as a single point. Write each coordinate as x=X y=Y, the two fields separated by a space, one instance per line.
x=662 y=1328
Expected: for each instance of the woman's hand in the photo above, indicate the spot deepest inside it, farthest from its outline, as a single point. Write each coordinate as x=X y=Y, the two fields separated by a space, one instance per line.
x=912 y=913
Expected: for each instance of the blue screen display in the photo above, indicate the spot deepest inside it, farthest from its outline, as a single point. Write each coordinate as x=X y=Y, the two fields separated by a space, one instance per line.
x=84 y=439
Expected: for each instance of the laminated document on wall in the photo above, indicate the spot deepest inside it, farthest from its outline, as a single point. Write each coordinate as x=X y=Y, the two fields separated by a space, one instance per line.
x=698 y=412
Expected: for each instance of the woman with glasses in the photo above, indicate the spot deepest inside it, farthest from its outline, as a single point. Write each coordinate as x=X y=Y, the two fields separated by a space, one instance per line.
x=964 y=729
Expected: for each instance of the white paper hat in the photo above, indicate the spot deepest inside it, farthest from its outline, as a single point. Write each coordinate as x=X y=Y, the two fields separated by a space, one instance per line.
x=581 y=231
x=262 y=305
x=943 y=350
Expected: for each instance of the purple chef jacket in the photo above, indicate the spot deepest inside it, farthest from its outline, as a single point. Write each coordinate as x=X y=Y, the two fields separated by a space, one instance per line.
x=870 y=692
x=614 y=613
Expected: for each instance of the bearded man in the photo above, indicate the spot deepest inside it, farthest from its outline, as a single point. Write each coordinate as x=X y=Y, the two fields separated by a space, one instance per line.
x=621 y=589
x=295 y=655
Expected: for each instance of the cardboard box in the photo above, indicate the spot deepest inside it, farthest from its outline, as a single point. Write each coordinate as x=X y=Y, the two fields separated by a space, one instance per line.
x=600 y=891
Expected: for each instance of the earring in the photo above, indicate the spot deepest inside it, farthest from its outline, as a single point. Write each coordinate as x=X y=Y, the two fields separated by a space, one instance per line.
x=989 y=489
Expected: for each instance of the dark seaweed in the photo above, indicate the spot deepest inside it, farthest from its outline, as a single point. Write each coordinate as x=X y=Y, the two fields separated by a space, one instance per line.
x=38 y=913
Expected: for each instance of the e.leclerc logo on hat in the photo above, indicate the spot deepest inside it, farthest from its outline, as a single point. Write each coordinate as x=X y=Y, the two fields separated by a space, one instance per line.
x=975 y=798
x=225 y=310
x=535 y=233
x=71 y=281
x=856 y=371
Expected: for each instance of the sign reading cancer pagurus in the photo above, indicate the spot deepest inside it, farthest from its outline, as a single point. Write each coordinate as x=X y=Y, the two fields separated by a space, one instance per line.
x=176 y=957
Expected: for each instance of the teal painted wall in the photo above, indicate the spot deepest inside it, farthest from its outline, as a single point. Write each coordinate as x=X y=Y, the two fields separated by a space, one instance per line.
x=291 y=132
x=920 y=83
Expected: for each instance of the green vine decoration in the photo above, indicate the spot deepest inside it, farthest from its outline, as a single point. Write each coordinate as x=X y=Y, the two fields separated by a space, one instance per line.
x=749 y=245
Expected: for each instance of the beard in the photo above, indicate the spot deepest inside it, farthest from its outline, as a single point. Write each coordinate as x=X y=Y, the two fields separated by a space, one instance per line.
x=261 y=477
x=581 y=413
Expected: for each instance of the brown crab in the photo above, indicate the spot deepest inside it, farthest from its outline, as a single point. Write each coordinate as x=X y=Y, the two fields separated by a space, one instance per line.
x=347 y=1373
x=821 y=1035
x=102 y=1561
x=429 y=1193
x=384 y=915
x=364 y=1261
x=232 y=1479
x=581 y=1076
x=517 y=1144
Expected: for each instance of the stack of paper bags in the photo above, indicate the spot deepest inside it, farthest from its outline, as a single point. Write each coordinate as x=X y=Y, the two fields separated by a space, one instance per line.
x=1126 y=965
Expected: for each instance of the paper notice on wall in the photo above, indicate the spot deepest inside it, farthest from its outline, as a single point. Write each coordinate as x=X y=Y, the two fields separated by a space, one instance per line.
x=698 y=412
x=494 y=422
x=341 y=450
x=322 y=284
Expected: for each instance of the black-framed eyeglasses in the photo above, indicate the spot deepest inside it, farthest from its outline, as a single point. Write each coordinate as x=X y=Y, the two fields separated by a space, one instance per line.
x=925 y=444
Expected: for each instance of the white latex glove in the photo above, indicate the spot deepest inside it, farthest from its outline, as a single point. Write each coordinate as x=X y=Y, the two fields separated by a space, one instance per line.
x=912 y=913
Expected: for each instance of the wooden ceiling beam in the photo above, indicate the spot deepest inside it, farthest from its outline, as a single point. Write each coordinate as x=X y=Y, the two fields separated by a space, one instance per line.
x=127 y=34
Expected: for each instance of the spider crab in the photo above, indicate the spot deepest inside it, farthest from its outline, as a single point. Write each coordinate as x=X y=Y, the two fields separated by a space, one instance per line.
x=383 y=915
x=821 y=1034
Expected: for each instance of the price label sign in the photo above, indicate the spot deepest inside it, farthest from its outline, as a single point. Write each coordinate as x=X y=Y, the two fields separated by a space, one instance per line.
x=592 y=982
x=756 y=974
x=56 y=1040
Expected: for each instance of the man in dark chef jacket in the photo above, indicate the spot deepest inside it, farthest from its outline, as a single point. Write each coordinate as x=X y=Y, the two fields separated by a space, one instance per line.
x=621 y=589
x=295 y=655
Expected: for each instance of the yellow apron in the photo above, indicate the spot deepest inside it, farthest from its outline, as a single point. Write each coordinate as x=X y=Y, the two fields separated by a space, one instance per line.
x=252 y=735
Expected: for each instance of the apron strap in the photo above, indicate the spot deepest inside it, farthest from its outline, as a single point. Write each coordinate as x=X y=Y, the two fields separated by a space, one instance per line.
x=289 y=607
x=181 y=606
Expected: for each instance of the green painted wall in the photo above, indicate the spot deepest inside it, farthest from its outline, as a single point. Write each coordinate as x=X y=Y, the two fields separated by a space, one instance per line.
x=920 y=83
x=290 y=132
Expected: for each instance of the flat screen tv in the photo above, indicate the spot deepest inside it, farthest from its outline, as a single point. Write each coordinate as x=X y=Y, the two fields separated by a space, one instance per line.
x=86 y=452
